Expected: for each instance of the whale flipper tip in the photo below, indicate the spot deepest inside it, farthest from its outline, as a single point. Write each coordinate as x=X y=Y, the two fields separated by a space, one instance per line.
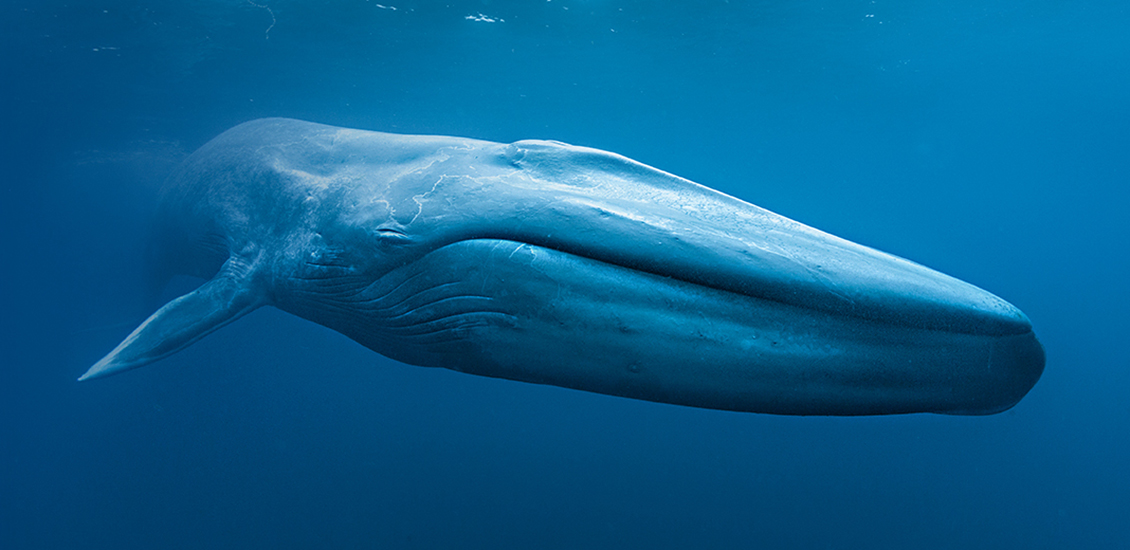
x=180 y=323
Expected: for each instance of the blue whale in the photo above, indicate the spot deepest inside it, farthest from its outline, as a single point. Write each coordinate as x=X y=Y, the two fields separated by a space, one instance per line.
x=555 y=264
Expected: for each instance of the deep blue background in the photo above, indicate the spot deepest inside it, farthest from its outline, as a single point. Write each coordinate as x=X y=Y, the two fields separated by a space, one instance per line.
x=990 y=140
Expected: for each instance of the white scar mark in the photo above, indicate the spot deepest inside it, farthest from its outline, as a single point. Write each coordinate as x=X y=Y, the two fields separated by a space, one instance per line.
x=419 y=199
x=515 y=251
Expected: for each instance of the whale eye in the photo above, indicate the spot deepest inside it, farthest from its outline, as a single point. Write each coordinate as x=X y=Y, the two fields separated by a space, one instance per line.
x=388 y=235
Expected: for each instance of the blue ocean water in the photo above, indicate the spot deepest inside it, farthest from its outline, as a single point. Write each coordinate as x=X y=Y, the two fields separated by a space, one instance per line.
x=989 y=140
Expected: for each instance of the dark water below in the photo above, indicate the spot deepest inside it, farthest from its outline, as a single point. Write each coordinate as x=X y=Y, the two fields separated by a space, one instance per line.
x=989 y=140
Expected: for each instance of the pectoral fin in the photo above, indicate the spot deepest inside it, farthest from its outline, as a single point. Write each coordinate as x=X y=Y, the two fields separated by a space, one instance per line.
x=181 y=322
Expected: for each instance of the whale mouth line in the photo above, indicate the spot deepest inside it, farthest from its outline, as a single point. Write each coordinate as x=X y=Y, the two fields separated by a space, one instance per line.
x=888 y=315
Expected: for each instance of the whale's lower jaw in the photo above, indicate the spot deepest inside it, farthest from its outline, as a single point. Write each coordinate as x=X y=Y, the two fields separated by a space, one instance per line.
x=522 y=312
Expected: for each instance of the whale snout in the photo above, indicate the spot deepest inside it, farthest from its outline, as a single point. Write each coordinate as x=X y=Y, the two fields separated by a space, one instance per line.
x=1019 y=362
x=930 y=341
x=967 y=350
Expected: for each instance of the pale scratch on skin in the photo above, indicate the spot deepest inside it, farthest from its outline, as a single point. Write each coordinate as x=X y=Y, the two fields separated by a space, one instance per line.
x=829 y=285
x=418 y=199
x=515 y=251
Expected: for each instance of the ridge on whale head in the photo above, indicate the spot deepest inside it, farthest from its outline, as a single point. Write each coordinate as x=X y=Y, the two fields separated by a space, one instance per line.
x=549 y=263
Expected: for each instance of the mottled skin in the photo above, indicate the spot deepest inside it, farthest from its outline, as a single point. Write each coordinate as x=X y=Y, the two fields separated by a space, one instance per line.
x=549 y=263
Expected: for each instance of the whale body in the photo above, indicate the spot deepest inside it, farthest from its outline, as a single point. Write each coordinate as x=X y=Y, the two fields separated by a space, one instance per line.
x=555 y=264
